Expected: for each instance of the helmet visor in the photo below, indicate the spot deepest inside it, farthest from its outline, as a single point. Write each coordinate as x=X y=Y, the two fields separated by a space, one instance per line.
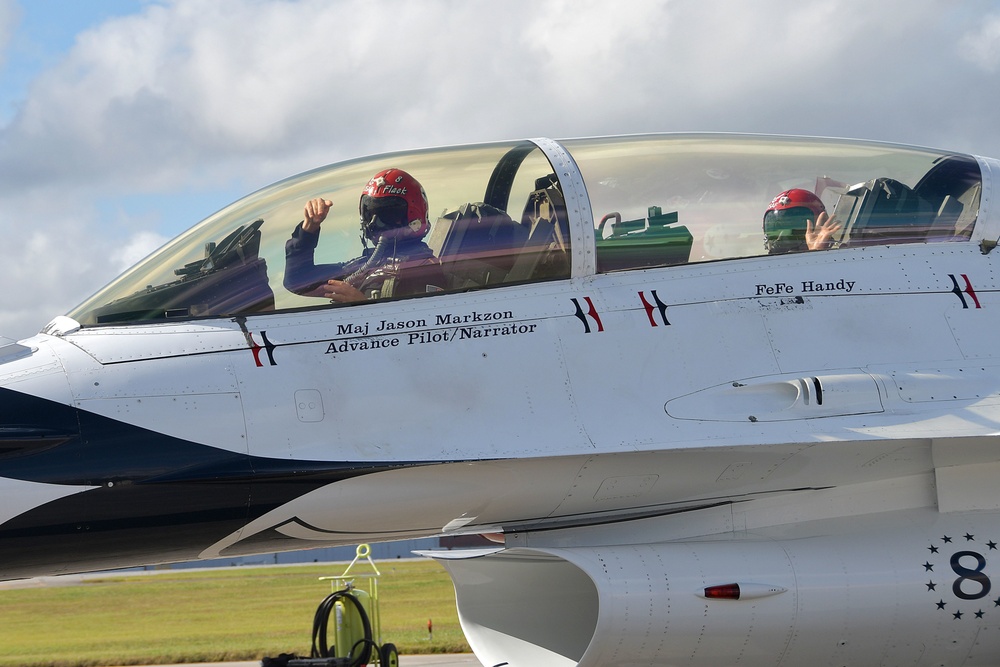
x=785 y=230
x=391 y=211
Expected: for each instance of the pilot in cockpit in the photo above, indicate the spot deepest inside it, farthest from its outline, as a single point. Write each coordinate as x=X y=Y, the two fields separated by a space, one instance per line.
x=394 y=217
x=795 y=221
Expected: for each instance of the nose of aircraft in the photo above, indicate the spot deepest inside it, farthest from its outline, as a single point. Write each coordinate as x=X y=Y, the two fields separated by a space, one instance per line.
x=26 y=426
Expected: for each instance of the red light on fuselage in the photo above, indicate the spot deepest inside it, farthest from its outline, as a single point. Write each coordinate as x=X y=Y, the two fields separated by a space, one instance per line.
x=723 y=592
x=740 y=591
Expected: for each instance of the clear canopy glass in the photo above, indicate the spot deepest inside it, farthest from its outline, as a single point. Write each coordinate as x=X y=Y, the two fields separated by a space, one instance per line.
x=718 y=188
x=498 y=216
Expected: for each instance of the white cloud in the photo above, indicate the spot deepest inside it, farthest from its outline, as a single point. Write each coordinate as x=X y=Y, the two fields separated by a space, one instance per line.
x=188 y=95
x=136 y=248
x=49 y=261
x=145 y=97
x=982 y=46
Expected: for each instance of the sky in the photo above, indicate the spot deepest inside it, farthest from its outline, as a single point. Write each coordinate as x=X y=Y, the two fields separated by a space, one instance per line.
x=124 y=122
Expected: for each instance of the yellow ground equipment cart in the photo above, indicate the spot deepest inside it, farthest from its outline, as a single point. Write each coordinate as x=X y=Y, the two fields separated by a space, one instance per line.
x=357 y=629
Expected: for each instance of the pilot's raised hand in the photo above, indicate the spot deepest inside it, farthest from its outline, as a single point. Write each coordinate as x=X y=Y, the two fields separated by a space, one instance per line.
x=338 y=291
x=315 y=213
x=819 y=236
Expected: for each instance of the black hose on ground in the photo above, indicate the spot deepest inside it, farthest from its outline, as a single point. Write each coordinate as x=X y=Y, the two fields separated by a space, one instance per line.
x=321 y=621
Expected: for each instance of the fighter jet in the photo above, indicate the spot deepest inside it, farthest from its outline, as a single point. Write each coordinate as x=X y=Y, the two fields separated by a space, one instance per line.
x=717 y=399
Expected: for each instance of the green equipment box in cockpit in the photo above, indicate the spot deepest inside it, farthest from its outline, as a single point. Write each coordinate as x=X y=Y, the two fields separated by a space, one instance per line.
x=651 y=241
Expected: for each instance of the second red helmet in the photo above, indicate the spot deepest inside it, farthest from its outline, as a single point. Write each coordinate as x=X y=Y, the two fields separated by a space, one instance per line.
x=796 y=198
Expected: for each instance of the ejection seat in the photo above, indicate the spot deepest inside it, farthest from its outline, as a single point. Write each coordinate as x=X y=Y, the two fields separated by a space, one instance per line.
x=883 y=211
x=545 y=254
x=942 y=206
x=477 y=245
x=953 y=187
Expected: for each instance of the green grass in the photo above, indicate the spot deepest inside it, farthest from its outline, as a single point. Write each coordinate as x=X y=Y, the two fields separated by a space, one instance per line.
x=212 y=615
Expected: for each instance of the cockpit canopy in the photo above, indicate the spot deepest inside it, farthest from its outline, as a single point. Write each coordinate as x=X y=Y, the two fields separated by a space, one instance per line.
x=499 y=215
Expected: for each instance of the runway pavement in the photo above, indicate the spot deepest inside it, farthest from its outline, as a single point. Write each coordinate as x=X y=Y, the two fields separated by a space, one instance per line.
x=431 y=660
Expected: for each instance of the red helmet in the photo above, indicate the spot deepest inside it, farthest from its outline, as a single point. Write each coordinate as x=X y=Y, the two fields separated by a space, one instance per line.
x=796 y=198
x=393 y=200
x=787 y=218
